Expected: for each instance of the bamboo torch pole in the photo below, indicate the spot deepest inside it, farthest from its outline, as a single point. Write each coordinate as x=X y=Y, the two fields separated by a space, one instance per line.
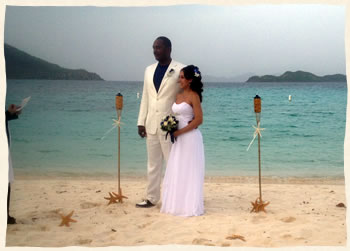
x=257 y=110
x=119 y=108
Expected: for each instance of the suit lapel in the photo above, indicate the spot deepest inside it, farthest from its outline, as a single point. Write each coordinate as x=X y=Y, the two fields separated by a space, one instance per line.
x=153 y=88
x=166 y=76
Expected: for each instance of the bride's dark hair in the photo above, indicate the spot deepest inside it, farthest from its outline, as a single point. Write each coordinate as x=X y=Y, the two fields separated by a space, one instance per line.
x=192 y=72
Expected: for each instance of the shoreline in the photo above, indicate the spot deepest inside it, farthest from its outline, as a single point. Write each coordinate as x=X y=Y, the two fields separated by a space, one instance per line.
x=100 y=176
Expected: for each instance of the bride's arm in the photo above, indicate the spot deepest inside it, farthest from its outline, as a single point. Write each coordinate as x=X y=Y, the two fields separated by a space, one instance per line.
x=198 y=116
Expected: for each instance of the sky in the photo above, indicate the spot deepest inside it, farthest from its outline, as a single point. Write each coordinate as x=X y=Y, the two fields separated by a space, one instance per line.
x=223 y=41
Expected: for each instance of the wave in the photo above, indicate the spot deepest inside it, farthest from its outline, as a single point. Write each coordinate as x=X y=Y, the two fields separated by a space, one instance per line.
x=239 y=126
x=78 y=110
x=232 y=138
x=322 y=112
x=100 y=155
x=49 y=151
x=20 y=140
x=303 y=135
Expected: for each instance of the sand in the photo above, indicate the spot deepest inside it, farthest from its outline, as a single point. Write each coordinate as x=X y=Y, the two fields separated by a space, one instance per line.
x=302 y=212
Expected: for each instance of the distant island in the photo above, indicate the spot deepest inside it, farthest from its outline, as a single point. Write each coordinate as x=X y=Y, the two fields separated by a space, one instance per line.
x=21 y=65
x=298 y=76
x=230 y=79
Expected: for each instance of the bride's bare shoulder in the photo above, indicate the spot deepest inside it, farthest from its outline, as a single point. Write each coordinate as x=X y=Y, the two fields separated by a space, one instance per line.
x=194 y=95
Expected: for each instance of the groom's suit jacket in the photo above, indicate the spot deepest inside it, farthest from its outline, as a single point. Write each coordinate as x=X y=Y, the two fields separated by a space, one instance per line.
x=9 y=117
x=156 y=105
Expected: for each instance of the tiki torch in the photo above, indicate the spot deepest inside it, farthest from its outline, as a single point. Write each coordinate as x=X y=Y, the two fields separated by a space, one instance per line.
x=119 y=108
x=257 y=110
x=258 y=205
x=117 y=197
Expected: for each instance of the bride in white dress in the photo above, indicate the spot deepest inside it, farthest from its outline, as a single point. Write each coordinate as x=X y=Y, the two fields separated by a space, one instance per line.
x=184 y=176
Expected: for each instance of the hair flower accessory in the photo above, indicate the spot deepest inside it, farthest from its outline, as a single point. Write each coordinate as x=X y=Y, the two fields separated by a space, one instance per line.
x=196 y=72
x=171 y=72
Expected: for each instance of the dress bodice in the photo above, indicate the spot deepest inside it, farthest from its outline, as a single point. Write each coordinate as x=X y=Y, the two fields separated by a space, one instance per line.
x=183 y=113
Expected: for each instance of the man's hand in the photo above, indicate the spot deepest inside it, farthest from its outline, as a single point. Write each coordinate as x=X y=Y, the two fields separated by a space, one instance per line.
x=13 y=109
x=176 y=133
x=142 y=131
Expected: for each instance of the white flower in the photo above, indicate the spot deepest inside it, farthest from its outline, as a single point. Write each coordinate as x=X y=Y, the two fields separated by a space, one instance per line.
x=171 y=72
x=165 y=123
x=196 y=72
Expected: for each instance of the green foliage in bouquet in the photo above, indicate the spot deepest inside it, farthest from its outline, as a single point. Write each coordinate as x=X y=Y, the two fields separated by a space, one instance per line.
x=169 y=123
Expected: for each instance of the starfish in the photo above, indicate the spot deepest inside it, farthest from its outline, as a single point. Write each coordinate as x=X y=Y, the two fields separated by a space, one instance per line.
x=259 y=206
x=120 y=196
x=235 y=236
x=341 y=205
x=67 y=219
x=111 y=199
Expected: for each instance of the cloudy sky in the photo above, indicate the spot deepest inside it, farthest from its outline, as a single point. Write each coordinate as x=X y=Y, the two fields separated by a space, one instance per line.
x=224 y=41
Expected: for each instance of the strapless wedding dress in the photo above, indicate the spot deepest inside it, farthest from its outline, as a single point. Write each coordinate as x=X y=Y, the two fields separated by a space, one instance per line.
x=182 y=190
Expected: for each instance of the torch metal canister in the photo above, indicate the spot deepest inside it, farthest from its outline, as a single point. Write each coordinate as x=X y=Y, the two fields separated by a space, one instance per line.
x=119 y=104
x=257 y=107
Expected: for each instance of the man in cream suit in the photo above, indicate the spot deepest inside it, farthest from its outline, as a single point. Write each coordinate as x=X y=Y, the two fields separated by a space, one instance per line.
x=159 y=93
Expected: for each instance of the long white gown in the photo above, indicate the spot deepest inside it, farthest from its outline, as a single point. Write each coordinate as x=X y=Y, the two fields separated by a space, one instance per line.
x=182 y=193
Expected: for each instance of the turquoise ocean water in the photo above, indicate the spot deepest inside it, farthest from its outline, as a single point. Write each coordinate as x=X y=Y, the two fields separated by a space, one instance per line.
x=61 y=128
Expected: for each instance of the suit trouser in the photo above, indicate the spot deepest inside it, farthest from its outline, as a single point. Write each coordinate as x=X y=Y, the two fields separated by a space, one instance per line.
x=8 y=199
x=158 y=150
x=10 y=180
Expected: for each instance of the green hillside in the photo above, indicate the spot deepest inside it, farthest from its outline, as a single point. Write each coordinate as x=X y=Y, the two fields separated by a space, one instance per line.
x=21 y=65
x=298 y=76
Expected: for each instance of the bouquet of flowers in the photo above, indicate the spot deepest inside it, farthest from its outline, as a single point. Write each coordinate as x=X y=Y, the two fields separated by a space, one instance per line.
x=169 y=125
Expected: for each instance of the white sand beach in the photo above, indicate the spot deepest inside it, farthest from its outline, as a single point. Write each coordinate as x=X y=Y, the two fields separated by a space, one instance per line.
x=302 y=212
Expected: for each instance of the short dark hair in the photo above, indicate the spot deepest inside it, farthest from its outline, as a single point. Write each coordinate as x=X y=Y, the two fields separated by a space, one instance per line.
x=165 y=40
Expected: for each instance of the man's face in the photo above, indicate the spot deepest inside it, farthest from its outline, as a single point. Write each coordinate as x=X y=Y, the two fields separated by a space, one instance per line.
x=160 y=51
